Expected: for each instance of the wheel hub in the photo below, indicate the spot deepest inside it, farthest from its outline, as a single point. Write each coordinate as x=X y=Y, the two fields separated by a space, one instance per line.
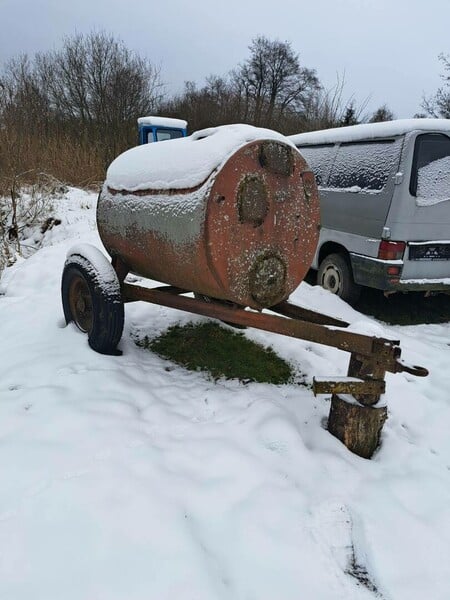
x=331 y=280
x=80 y=300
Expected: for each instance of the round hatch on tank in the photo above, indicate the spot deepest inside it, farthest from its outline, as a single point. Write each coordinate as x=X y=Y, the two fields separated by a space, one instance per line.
x=267 y=280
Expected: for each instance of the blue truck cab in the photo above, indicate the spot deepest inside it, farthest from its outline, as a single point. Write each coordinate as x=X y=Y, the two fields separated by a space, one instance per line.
x=159 y=129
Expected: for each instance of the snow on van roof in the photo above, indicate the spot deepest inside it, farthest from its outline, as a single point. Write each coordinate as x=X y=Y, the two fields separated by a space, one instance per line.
x=184 y=162
x=163 y=122
x=369 y=131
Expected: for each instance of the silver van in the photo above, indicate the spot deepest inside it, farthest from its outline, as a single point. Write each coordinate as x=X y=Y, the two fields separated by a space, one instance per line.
x=385 y=205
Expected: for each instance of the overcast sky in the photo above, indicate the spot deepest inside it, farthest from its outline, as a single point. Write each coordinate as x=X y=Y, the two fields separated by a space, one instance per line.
x=388 y=49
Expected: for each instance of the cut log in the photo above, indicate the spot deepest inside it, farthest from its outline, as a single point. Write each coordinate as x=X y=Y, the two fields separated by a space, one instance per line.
x=357 y=427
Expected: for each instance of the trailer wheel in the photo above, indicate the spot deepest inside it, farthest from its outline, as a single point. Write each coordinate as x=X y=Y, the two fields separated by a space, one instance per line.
x=335 y=275
x=91 y=298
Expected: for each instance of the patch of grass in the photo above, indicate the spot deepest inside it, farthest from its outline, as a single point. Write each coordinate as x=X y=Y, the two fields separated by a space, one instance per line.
x=221 y=352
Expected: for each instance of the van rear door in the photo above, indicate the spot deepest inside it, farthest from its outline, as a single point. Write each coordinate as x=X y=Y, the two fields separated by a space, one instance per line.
x=423 y=219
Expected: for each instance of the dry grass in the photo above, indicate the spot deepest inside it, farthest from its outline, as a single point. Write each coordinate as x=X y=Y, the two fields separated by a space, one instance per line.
x=67 y=159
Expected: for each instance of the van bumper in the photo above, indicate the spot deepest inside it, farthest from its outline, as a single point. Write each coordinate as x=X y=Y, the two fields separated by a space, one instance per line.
x=374 y=272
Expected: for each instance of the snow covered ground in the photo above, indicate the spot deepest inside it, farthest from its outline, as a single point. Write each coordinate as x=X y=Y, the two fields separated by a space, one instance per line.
x=125 y=478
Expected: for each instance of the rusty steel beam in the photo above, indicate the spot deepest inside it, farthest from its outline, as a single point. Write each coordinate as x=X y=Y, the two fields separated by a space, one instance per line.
x=298 y=312
x=168 y=289
x=346 y=385
x=171 y=289
x=387 y=350
x=285 y=308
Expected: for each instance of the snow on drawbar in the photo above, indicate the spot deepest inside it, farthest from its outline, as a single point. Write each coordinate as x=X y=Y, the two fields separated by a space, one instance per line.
x=230 y=212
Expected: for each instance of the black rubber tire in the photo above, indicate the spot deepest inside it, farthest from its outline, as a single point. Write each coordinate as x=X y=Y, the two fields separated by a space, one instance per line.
x=335 y=275
x=105 y=325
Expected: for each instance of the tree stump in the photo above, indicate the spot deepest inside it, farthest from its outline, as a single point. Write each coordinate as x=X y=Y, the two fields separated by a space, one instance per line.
x=356 y=420
x=358 y=427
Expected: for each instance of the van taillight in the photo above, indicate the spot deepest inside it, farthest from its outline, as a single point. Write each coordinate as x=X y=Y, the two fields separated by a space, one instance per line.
x=391 y=250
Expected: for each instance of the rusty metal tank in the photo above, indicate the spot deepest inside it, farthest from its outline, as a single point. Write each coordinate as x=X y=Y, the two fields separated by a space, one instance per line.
x=230 y=212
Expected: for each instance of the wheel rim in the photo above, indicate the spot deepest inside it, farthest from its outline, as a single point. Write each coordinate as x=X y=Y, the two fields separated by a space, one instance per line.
x=331 y=279
x=80 y=301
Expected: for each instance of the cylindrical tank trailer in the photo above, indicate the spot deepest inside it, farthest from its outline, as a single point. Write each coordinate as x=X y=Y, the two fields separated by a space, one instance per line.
x=231 y=213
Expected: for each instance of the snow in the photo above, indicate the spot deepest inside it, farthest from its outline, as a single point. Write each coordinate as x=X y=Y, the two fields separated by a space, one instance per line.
x=320 y=159
x=384 y=261
x=185 y=162
x=354 y=168
x=441 y=281
x=433 y=182
x=163 y=122
x=354 y=189
x=90 y=258
x=364 y=166
x=427 y=243
x=370 y=131
x=128 y=477
x=340 y=379
x=352 y=400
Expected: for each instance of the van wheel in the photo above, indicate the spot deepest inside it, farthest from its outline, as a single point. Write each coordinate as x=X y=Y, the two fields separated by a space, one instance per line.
x=91 y=298
x=335 y=275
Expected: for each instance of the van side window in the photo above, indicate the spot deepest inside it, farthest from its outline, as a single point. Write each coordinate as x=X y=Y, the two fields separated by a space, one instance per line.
x=363 y=166
x=430 y=175
x=319 y=158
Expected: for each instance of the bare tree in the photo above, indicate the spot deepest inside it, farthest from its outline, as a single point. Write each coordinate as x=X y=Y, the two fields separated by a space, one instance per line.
x=22 y=100
x=96 y=82
x=271 y=82
x=439 y=104
x=215 y=103
x=69 y=109
x=330 y=108
x=23 y=115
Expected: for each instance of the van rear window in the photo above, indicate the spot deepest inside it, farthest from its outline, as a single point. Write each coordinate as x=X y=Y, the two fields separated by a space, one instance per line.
x=319 y=158
x=430 y=177
x=364 y=166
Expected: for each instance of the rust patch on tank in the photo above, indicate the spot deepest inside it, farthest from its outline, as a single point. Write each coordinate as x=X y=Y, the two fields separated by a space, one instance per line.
x=267 y=280
x=309 y=184
x=277 y=158
x=252 y=200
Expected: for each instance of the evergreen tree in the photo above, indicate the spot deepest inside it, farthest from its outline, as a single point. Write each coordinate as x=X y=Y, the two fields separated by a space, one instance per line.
x=383 y=113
